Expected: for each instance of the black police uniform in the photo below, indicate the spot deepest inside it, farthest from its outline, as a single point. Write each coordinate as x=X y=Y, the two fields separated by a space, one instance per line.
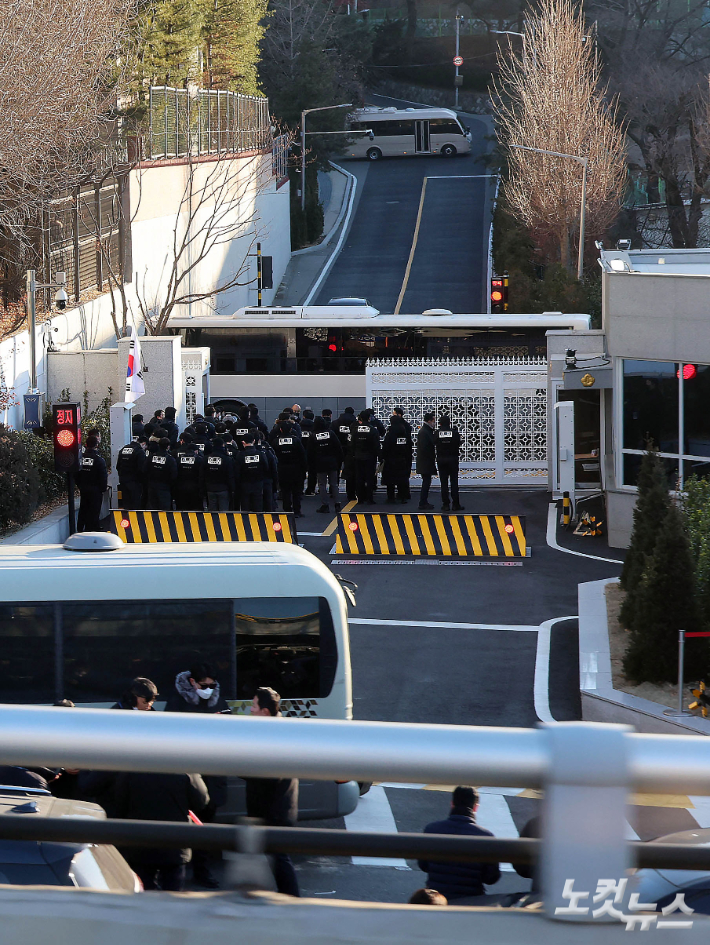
x=366 y=449
x=448 y=443
x=202 y=440
x=292 y=470
x=130 y=466
x=306 y=437
x=326 y=455
x=218 y=480
x=252 y=470
x=92 y=481
x=271 y=483
x=397 y=450
x=188 y=482
x=240 y=430
x=160 y=476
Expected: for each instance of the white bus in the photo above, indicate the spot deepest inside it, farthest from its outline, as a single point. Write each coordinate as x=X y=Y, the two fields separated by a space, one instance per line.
x=81 y=625
x=396 y=132
x=317 y=355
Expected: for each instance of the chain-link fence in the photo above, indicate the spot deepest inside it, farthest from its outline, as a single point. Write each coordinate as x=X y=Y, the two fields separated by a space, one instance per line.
x=205 y=121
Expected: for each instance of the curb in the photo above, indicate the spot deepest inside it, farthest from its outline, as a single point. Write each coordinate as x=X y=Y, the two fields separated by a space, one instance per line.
x=344 y=219
x=600 y=701
x=329 y=235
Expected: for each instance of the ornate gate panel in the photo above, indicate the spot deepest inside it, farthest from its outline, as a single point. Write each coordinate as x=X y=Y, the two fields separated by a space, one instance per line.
x=498 y=404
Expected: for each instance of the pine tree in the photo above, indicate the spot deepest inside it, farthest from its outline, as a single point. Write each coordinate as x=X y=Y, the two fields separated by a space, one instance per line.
x=651 y=508
x=168 y=37
x=696 y=509
x=232 y=33
x=665 y=602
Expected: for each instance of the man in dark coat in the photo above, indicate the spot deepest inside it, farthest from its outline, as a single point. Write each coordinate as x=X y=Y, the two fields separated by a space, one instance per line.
x=426 y=459
x=448 y=444
x=166 y=797
x=459 y=880
x=170 y=425
x=130 y=466
x=137 y=424
x=92 y=480
x=366 y=451
x=397 y=449
x=217 y=477
x=188 y=484
x=292 y=461
x=197 y=690
x=160 y=476
x=325 y=455
x=342 y=427
x=274 y=800
x=307 y=425
x=256 y=420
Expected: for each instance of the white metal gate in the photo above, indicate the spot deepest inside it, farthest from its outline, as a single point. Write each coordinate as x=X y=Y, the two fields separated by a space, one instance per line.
x=498 y=404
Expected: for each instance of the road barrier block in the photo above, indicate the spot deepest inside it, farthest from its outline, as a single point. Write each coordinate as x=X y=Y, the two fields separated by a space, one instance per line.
x=141 y=527
x=439 y=536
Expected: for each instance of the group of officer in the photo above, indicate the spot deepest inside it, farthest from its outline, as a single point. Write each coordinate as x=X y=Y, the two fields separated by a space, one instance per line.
x=235 y=462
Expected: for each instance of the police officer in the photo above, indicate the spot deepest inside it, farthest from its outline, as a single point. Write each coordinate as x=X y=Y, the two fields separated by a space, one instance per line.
x=137 y=424
x=271 y=482
x=241 y=428
x=169 y=424
x=92 y=481
x=306 y=436
x=202 y=438
x=160 y=476
x=188 y=481
x=130 y=466
x=291 y=457
x=366 y=450
x=218 y=477
x=397 y=450
x=326 y=455
x=252 y=470
x=327 y=415
x=256 y=420
x=374 y=422
x=448 y=443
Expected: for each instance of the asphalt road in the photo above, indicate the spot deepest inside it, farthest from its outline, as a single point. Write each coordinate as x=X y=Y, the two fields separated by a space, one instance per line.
x=449 y=264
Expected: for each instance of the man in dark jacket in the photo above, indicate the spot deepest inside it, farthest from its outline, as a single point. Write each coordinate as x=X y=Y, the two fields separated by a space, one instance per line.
x=202 y=438
x=397 y=449
x=274 y=800
x=170 y=425
x=252 y=469
x=188 y=483
x=366 y=450
x=137 y=424
x=130 y=466
x=218 y=477
x=448 y=443
x=343 y=427
x=160 y=475
x=197 y=690
x=256 y=420
x=307 y=425
x=292 y=461
x=166 y=797
x=141 y=694
x=325 y=455
x=426 y=459
x=459 y=880
x=92 y=480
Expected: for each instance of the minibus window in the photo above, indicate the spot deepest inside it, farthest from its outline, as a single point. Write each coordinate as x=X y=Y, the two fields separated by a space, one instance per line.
x=27 y=653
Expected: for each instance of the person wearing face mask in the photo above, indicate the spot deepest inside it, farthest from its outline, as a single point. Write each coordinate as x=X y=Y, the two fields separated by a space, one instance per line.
x=197 y=690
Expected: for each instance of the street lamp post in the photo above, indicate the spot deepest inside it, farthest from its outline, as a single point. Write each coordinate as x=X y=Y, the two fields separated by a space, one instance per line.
x=307 y=111
x=456 y=79
x=524 y=39
x=583 y=207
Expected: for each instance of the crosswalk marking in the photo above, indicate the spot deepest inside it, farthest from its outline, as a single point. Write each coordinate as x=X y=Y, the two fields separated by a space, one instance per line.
x=494 y=814
x=373 y=814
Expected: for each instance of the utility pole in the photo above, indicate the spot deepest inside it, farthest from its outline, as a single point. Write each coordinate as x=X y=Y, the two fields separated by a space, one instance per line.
x=457 y=75
x=258 y=275
x=31 y=284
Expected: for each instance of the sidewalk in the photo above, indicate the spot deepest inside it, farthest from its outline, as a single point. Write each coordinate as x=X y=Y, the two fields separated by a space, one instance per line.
x=306 y=265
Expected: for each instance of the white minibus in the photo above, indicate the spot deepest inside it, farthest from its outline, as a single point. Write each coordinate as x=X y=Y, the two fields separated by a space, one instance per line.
x=81 y=624
x=392 y=132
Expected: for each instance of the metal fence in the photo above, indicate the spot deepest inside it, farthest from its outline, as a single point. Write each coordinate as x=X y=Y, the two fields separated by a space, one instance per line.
x=183 y=122
x=280 y=157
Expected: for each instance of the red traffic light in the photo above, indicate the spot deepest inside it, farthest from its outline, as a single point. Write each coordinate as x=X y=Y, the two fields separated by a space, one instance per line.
x=496 y=295
x=65 y=438
x=332 y=347
x=353 y=526
x=689 y=372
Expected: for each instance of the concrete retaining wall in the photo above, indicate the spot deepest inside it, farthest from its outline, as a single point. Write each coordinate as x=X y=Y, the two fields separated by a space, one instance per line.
x=52 y=529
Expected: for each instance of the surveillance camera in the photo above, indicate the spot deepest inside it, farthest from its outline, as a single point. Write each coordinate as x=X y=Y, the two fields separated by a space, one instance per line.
x=61 y=299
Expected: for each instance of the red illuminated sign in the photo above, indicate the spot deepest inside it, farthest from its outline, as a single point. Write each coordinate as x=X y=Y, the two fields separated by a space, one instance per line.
x=65 y=418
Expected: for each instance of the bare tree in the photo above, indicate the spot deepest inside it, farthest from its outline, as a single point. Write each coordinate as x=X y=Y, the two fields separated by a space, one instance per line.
x=549 y=96
x=58 y=87
x=217 y=207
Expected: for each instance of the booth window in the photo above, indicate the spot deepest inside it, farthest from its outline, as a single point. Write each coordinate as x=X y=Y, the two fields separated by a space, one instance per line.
x=665 y=407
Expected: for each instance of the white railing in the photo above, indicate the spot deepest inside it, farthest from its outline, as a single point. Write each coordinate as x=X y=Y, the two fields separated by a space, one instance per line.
x=586 y=769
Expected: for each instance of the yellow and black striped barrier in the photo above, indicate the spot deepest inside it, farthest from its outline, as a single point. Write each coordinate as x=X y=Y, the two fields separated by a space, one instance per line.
x=438 y=536
x=142 y=527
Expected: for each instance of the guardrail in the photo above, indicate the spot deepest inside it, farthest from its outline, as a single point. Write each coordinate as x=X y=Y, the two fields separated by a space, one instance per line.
x=585 y=769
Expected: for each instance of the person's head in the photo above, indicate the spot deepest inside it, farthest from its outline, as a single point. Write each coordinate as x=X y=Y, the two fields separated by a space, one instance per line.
x=209 y=410
x=428 y=897
x=170 y=413
x=287 y=410
x=202 y=679
x=141 y=694
x=296 y=408
x=285 y=427
x=350 y=410
x=160 y=432
x=64 y=704
x=227 y=436
x=91 y=442
x=143 y=441
x=266 y=702
x=218 y=442
x=325 y=412
x=186 y=439
x=308 y=414
x=158 y=415
x=429 y=418
x=164 y=443
x=138 y=418
x=253 y=410
x=319 y=423
x=94 y=431
x=364 y=416
x=444 y=422
x=398 y=412
x=248 y=439
x=220 y=427
x=464 y=799
x=200 y=428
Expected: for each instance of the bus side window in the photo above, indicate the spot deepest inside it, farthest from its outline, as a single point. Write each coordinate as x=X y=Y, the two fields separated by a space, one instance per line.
x=27 y=650
x=444 y=126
